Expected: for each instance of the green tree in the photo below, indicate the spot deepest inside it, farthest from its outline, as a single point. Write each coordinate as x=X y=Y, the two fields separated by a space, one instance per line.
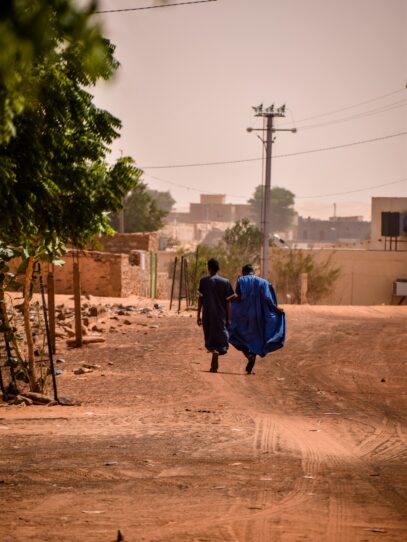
x=245 y=239
x=141 y=211
x=30 y=30
x=241 y=244
x=164 y=200
x=281 y=207
x=56 y=186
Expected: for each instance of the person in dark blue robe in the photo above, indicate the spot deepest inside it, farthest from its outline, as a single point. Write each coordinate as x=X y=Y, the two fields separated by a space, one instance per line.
x=214 y=296
x=258 y=325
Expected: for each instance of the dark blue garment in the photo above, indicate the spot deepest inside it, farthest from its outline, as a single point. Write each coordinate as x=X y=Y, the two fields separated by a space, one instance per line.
x=215 y=292
x=257 y=327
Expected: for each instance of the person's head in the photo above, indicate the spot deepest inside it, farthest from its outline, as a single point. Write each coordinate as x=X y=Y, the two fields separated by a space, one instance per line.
x=213 y=266
x=248 y=269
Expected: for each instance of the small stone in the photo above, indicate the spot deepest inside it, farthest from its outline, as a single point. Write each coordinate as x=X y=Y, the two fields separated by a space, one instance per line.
x=127 y=322
x=60 y=360
x=91 y=366
x=110 y=363
x=85 y=321
x=383 y=380
x=53 y=403
x=96 y=310
x=154 y=326
x=66 y=401
x=81 y=371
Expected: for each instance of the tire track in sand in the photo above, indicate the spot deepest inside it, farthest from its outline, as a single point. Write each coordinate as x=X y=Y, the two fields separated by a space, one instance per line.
x=275 y=434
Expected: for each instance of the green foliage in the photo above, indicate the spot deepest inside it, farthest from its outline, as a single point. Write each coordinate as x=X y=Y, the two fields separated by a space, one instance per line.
x=241 y=245
x=245 y=237
x=141 y=211
x=55 y=184
x=287 y=267
x=164 y=200
x=281 y=207
x=30 y=32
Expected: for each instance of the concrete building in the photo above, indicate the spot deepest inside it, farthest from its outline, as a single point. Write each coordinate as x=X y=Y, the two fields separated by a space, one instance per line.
x=388 y=205
x=211 y=213
x=211 y=208
x=338 y=229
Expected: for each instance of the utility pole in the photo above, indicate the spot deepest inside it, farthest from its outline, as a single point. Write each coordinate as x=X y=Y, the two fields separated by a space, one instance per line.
x=269 y=113
x=121 y=211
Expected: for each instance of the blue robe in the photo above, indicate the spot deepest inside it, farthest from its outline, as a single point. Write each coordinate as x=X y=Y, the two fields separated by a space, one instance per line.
x=215 y=292
x=256 y=325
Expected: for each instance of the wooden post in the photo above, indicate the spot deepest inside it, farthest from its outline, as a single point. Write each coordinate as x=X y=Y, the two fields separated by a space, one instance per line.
x=151 y=274
x=77 y=299
x=180 y=283
x=173 y=280
x=303 y=288
x=155 y=274
x=48 y=334
x=187 y=292
x=51 y=306
x=195 y=284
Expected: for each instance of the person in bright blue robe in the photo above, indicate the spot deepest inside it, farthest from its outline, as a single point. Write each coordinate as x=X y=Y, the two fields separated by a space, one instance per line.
x=257 y=324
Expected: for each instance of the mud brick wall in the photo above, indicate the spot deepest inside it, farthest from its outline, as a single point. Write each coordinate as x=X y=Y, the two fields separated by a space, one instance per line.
x=100 y=274
x=124 y=243
x=106 y=274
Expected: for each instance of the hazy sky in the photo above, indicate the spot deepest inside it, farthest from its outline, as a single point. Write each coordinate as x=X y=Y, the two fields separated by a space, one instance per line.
x=190 y=74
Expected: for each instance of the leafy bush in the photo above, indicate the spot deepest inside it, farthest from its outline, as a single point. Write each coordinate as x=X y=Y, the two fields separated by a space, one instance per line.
x=287 y=267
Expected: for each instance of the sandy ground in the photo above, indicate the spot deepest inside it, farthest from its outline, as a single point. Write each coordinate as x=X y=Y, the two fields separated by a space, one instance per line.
x=310 y=448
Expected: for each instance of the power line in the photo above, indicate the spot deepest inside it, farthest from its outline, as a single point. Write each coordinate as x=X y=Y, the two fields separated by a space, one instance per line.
x=364 y=114
x=351 y=106
x=352 y=191
x=333 y=147
x=155 y=7
x=309 y=151
x=365 y=189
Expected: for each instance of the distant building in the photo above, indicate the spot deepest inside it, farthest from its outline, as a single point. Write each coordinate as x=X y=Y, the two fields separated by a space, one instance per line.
x=335 y=230
x=380 y=238
x=211 y=208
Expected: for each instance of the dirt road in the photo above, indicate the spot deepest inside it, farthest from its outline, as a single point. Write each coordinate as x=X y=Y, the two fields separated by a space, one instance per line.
x=313 y=447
